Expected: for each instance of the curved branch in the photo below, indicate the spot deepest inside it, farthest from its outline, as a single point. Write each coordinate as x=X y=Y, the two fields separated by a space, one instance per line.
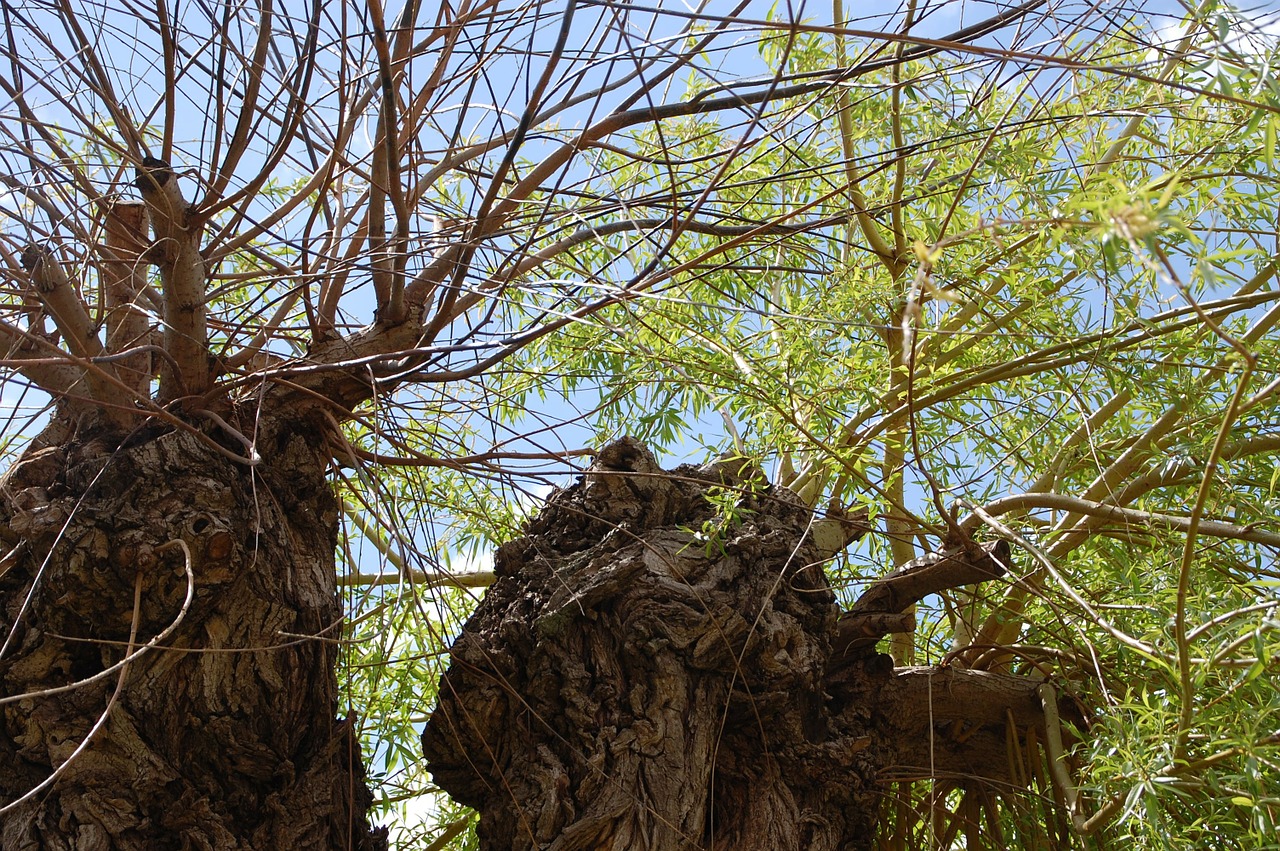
x=1077 y=350
x=587 y=233
x=883 y=608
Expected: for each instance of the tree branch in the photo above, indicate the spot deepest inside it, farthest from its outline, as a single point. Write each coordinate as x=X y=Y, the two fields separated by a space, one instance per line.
x=1129 y=516
x=18 y=350
x=62 y=301
x=388 y=260
x=183 y=276
x=124 y=278
x=882 y=608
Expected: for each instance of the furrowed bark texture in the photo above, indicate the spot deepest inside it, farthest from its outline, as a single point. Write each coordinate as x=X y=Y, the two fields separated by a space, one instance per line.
x=225 y=736
x=637 y=679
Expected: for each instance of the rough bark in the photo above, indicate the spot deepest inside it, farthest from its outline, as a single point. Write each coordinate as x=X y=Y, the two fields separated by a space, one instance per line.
x=646 y=673
x=224 y=735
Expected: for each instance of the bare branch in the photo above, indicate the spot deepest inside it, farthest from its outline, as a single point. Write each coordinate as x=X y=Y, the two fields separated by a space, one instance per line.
x=388 y=258
x=43 y=364
x=250 y=111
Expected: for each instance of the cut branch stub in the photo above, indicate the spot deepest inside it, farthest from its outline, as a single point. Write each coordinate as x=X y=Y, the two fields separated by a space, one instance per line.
x=840 y=528
x=183 y=276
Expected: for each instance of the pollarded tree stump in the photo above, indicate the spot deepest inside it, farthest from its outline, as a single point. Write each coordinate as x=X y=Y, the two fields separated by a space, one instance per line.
x=652 y=672
x=631 y=682
x=221 y=736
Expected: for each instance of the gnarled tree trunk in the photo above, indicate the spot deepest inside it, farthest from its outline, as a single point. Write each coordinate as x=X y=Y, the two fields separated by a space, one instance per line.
x=222 y=734
x=649 y=672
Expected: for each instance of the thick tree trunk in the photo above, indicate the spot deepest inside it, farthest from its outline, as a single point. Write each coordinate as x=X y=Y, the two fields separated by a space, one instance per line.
x=648 y=674
x=222 y=735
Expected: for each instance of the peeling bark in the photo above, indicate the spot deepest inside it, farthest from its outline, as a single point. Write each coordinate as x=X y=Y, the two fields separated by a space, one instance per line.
x=648 y=674
x=225 y=735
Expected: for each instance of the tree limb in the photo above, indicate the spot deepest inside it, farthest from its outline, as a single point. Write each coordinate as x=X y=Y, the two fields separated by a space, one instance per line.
x=19 y=350
x=955 y=722
x=182 y=273
x=124 y=279
x=1131 y=516
x=884 y=604
x=56 y=293
x=54 y=289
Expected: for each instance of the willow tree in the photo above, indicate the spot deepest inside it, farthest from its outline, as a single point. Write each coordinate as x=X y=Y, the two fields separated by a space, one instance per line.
x=974 y=306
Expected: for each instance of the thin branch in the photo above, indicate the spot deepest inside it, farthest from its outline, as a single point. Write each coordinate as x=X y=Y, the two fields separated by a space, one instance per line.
x=1127 y=516
x=249 y=109
x=1196 y=525
x=1047 y=565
